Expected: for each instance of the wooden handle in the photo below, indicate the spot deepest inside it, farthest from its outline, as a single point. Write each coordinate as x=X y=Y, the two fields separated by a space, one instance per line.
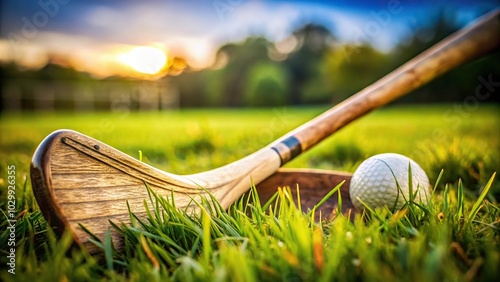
x=479 y=39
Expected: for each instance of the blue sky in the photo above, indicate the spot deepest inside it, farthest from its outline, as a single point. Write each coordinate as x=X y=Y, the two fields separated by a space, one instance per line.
x=132 y=21
x=203 y=25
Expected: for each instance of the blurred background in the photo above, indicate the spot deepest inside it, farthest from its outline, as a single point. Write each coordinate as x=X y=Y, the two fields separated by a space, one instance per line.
x=151 y=55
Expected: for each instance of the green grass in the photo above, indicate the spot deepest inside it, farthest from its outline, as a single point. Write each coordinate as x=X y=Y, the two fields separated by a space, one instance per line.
x=454 y=238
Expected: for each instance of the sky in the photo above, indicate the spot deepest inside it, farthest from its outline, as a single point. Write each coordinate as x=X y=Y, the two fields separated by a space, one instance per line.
x=98 y=36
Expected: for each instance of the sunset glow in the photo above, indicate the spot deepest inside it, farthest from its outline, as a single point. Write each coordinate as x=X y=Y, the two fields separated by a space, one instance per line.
x=171 y=36
x=144 y=59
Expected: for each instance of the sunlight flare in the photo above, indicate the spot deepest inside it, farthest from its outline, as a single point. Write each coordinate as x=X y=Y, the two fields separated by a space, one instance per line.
x=144 y=59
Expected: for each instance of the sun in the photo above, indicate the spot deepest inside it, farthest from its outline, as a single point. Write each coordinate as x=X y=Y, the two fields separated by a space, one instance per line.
x=144 y=59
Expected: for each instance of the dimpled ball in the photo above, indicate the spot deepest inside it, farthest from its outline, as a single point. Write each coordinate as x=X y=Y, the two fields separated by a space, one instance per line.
x=374 y=182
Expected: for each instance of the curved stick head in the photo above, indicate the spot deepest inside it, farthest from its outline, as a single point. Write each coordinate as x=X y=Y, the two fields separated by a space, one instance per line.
x=79 y=180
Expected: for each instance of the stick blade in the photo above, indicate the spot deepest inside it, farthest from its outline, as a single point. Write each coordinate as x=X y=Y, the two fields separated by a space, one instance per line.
x=314 y=185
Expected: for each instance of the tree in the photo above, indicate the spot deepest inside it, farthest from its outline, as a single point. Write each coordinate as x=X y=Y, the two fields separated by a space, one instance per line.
x=348 y=76
x=313 y=43
x=241 y=58
x=266 y=85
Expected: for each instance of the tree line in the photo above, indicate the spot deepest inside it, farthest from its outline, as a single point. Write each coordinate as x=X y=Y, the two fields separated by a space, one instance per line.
x=317 y=68
x=311 y=66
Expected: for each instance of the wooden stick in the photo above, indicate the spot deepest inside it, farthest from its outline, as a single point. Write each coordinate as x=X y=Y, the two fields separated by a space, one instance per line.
x=472 y=42
x=79 y=180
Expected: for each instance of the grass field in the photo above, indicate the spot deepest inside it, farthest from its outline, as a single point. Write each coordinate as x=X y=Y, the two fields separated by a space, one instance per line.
x=448 y=240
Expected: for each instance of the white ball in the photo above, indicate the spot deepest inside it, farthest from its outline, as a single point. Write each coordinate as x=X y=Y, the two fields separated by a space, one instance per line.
x=374 y=182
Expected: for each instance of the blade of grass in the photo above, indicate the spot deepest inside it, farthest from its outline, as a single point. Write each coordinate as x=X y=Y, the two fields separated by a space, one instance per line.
x=438 y=180
x=207 y=247
x=108 y=250
x=446 y=199
x=478 y=204
x=326 y=197
x=299 y=204
x=460 y=200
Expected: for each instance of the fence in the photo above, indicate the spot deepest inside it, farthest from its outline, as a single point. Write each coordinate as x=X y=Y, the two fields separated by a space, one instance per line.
x=40 y=95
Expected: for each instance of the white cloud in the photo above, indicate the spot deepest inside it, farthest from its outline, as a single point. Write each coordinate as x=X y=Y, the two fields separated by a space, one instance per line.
x=101 y=16
x=277 y=20
x=196 y=33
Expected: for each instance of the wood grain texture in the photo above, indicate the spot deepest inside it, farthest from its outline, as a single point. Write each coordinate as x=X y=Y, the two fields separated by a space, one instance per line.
x=79 y=180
